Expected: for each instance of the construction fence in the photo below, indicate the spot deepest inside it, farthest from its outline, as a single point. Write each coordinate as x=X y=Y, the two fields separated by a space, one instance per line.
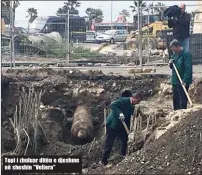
x=68 y=38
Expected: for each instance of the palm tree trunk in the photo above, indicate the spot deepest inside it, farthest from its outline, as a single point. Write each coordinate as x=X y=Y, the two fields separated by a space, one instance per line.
x=133 y=22
x=28 y=27
x=90 y=24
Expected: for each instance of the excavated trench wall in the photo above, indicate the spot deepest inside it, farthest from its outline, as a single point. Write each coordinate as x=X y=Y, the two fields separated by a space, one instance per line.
x=62 y=92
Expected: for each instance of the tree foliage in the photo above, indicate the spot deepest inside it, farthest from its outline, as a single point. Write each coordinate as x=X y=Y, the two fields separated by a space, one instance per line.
x=5 y=10
x=70 y=5
x=192 y=14
x=152 y=8
x=159 y=8
x=95 y=15
x=135 y=6
x=32 y=14
x=125 y=14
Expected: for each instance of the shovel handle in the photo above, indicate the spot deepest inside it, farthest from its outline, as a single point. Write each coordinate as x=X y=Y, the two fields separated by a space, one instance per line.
x=125 y=126
x=105 y=116
x=182 y=85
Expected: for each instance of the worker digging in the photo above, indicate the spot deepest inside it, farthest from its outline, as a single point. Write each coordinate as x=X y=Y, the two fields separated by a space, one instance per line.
x=181 y=65
x=118 y=122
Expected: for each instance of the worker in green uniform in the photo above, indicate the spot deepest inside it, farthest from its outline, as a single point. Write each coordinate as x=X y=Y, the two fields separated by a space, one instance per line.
x=121 y=109
x=183 y=62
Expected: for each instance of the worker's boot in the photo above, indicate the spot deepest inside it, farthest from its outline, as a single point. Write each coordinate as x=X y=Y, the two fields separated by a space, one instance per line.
x=123 y=154
x=124 y=150
x=103 y=162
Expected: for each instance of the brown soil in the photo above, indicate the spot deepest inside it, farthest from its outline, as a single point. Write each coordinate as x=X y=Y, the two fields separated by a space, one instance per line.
x=178 y=151
x=196 y=91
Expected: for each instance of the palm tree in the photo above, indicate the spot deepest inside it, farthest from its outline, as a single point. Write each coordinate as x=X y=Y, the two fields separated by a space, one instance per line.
x=135 y=9
x=135 y=6
x=125 y=14
x=95 y=15
x=5 y=11
x=5 y=5
x=70 y=5
x=150 y=8
x=159 y=8
x=16 y=3
x=32 y=14
x=192 y=14
x=150 y=11
x=73 y=4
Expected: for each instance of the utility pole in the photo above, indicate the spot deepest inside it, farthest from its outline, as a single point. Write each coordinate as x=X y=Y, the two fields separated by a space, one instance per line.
x=148 y=36
x=68 y=45
x=67 y=34
x=138 y=27
x=140 y=32
x=140 y=46
x=111 y=15
x=12 y=52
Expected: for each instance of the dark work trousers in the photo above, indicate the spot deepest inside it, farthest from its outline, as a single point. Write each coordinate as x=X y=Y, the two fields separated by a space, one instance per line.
x=109 y=142
x=179 y=97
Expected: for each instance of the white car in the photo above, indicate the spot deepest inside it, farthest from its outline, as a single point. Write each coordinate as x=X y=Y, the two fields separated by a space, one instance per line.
x=112 y=36
x=90 y=36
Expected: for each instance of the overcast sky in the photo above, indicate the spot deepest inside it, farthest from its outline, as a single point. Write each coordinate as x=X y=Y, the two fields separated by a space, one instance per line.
x=49 y=8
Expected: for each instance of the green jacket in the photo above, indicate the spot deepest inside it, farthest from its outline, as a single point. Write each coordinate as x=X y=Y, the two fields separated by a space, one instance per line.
x=121 y=105
x=183 y=63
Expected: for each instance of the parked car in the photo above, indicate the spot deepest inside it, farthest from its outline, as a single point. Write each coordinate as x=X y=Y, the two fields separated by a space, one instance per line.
x=91 y=36
x=112 y=36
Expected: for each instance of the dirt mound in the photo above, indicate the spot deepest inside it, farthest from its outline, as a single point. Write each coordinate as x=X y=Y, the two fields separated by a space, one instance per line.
x=178 y=151
x=196 y=91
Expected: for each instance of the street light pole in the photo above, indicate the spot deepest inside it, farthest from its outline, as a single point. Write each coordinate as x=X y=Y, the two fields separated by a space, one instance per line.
x=67 y=34
x=12 y=52
x=139 y=13
x=148 y=37
x=67 y=38
x=68 y=49
x=140 y=34
x=111 y=15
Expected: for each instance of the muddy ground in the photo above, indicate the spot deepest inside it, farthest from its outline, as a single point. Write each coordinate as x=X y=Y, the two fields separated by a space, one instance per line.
x=62 y=91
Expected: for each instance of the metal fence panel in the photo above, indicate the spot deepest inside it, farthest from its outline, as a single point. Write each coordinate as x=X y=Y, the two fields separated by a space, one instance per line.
x=65 y=39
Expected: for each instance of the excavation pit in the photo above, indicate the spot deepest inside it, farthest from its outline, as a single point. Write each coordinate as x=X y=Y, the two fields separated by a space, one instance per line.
x=62 y=92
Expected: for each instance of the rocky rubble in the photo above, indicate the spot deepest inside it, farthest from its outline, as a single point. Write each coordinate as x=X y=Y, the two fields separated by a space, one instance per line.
x=196 y=91
x=177 y=151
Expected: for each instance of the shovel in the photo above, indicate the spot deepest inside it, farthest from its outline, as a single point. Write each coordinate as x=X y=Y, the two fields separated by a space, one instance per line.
x=183 y=85
x=105 y=116
x=125 y=126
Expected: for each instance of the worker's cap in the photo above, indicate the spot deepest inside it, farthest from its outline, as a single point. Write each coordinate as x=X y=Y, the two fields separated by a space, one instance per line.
x=126 y=93
x=175 y=43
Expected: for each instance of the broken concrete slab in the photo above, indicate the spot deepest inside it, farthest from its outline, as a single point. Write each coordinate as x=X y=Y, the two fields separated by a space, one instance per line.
x=141 y=70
